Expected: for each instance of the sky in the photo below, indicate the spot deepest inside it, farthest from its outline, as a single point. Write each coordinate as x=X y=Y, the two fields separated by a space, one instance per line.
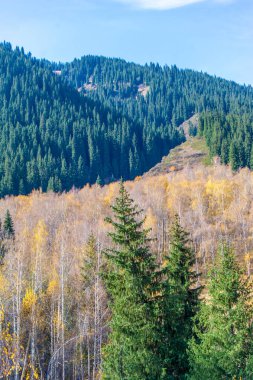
x=214 y=36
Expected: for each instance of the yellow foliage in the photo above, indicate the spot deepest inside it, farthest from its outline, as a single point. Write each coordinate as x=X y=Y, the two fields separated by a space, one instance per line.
x=194 y=204
x=32 y=373
x=1 y=316
x=52 y=287
x=3 y=283
x=57 y=321
x=219 y=193
x=150 y=221
x=40 y=234
x=9 y=362
x=110 y=194
x=29 y=300
x=248 y=257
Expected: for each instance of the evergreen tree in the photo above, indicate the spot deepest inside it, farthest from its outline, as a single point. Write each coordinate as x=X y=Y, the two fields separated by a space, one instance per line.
x=223 y=346
x=130 y=352
x=233 y=156
x=251 y=159
x=8 y=227
x=99 y=181
x=180 y=302
x=2 y=245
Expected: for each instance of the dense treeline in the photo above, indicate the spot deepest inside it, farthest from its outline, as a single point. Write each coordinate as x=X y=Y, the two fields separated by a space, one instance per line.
x=116 y=304
x=166 y=96
x=53 y=138
x=229 y=136
x=120 y=122
x=172 y=95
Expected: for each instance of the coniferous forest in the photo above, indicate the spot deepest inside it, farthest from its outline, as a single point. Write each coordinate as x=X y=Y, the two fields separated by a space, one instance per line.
x=108 y=272
x=103 y=119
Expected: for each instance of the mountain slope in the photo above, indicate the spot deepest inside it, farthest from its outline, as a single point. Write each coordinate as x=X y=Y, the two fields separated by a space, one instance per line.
x=65 y=125
x=173 y=95
x=167 y=96
x=51 y=137
x=191 y=154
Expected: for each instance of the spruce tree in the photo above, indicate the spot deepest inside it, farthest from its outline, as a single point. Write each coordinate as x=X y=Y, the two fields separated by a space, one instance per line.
x=130 y=352
x=99 y=181
x=8 y=227
x=251 y=159
x=2 y=245
x=180 y=302
x=233 y=156
x=223 y=348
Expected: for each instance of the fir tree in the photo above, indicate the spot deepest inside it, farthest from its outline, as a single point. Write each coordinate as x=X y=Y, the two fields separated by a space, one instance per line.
x=8 y=227
x=129 y=278
x=180 y=302
x=223 y=348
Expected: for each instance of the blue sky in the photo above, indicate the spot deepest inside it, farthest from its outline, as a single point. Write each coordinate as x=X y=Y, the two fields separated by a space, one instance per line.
x=215 y=36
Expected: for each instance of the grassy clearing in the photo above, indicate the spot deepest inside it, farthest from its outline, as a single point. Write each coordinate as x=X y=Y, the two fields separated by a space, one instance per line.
x=189 y=154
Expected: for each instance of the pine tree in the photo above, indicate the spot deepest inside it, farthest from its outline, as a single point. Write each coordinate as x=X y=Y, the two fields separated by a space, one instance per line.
x=8 y=227
x=130 y=353
x=180 y=302
x=223 y=348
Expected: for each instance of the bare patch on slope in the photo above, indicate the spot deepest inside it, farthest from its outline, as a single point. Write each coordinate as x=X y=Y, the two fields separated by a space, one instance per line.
x=191 y=153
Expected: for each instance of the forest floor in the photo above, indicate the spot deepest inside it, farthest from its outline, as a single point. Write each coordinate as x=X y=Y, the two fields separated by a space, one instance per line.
x=191 y=153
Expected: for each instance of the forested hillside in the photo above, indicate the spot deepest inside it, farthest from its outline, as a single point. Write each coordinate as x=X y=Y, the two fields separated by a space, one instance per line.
x=59 y=265
x=229 y=136
x=161 y=96
x=53 y=138
x=65 y=125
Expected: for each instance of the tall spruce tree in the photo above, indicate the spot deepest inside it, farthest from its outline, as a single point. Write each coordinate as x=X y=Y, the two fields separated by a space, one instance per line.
x=223 y=346
x=8 y=227
x=130 y=352
x=179 y=303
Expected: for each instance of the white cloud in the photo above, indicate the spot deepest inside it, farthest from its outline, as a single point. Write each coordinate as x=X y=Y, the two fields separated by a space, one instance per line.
x=159 y=4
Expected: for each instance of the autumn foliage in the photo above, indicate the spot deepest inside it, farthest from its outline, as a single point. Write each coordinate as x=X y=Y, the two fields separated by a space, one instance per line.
x=41 y=282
